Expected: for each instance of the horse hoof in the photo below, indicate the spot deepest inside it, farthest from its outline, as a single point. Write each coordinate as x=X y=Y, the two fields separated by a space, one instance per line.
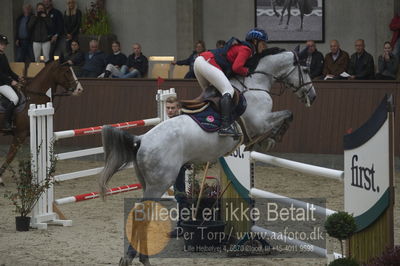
x=286 y=27
x=125 y=261
x=1 y=182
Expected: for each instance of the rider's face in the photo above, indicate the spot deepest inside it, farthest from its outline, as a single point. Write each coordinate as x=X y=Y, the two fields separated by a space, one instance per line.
x=261 y=46
x=2 y=47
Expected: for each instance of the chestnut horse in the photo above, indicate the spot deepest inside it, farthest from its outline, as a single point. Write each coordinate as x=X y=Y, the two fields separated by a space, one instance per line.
x=52 y=75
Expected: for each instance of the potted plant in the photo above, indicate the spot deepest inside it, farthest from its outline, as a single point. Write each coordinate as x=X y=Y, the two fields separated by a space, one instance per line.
x=28 y=191
x=96 y=26
x=206 y=230
x=341 y=226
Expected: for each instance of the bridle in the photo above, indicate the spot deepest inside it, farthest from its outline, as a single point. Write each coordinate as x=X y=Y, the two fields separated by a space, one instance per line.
x=67 y=92
x=283 y=80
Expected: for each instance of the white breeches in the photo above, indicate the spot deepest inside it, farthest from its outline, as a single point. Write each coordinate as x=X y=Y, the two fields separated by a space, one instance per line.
x=39 y=47
x=207 y=74
x=8 y=92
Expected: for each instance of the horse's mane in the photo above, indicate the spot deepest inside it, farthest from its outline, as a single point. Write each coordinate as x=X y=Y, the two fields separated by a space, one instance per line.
x=40 y=76
x=255 y=59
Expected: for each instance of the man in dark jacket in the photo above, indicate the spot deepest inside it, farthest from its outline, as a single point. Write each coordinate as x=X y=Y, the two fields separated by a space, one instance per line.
x=115 y=61
x=361 y=63
x=313 y=59
x=58 y=29
x=95 y=61
x=136 y=65
x=22 y=38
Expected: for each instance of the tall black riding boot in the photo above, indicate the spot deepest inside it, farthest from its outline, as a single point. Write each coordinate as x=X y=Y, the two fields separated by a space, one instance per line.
x=8 y=116
x=227 y=129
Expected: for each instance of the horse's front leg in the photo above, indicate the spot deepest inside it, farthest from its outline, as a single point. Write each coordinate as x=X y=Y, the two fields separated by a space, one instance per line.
x=274 y=8
x=17 y=142
x=277 y=125
x=288 y=15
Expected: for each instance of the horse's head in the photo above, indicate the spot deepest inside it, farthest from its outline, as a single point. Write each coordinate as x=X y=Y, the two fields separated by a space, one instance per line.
x=64 y=76
x=285 y=67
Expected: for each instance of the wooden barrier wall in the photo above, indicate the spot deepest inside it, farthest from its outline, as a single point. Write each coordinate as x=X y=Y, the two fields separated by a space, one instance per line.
x=340 y=106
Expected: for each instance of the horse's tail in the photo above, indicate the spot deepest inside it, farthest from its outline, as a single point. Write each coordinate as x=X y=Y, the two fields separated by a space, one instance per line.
x=120 y=148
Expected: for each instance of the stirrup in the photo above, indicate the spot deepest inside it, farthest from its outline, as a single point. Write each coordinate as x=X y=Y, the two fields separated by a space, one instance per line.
x=230 y=131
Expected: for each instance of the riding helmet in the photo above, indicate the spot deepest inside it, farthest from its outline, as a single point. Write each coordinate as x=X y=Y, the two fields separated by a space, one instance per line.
x=257 y=34
x=3 y=39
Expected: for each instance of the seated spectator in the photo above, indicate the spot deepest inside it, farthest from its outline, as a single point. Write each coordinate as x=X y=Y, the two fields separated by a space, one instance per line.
x=220 y=44
x=137 y=64
x=114 y=61
x=40 y=26
x=75 y=57
x=388 y=64
x=72 y=23
x=95 y=61
x=336 y=62
x=23 y=38
x=199 y=48
x=313 y=59
x=361 y=63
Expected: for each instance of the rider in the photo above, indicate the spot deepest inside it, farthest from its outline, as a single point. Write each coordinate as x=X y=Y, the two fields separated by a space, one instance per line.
x=216 y=66
x=7 y=79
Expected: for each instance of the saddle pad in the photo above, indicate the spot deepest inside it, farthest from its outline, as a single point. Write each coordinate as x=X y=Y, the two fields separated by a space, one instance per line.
x=19 y=108
x=209 y=120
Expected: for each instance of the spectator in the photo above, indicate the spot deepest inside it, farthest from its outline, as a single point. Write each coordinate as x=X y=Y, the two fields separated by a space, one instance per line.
x=114 y=61
x=94 y=61
x=220 y=44
x=58 y=27
x=361 y=63
x=23 y=38
x=199 y=48
x=75 y=57
x=136 y=65
x=395 y=27
x=313 y=59
x=72 y=23
x=388 y=64
x=40 y=26
x=335 y=62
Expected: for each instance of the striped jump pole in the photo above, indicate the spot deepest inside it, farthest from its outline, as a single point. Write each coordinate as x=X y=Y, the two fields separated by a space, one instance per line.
x=97 y=129
x=94 y=195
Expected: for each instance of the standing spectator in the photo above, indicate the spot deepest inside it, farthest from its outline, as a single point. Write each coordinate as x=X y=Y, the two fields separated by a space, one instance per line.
x=115 y=61
x=75 y=58
x=136 y=65
x=23 y=38
x=395 y=27
x=388 y=63
x=58 y=27
x=335 y=62
x=72 y=23
x=220 y=44
x=313 y=59
x=361 y=63
x=199 y=48
x=40 y=27
x=95 y=61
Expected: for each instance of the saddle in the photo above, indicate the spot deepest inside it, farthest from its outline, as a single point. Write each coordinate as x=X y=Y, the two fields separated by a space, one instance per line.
x=210 y=96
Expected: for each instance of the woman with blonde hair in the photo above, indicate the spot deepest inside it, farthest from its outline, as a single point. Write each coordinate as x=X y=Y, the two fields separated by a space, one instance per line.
x=72 y=23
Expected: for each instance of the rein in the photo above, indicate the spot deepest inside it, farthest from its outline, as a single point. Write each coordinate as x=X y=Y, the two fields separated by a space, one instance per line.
x=281 y=80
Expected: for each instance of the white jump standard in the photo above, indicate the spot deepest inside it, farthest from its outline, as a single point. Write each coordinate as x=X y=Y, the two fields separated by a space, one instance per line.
x=42 y=140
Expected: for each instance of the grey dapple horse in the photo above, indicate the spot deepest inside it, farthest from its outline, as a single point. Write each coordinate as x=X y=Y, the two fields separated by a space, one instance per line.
x=161 y=152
